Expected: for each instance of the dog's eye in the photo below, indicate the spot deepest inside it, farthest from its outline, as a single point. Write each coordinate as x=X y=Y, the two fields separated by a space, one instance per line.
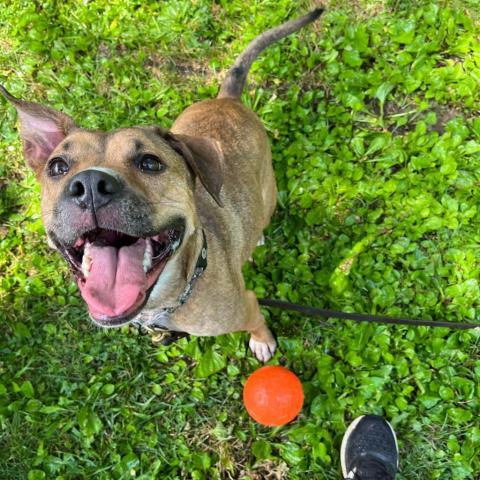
x=57 y=166
x=149 y=163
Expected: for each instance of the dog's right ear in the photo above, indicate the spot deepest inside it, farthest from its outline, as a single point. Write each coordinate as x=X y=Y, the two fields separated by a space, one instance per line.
x=41 y=129
x=203 y=155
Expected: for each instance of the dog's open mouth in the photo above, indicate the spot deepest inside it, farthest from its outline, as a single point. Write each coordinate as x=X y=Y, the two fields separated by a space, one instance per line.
x=115 y=271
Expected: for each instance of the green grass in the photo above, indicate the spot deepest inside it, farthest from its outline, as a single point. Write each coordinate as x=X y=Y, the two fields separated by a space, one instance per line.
x=372 y=115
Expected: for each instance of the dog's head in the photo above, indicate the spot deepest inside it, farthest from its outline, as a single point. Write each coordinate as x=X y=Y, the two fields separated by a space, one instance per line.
x=119 y=206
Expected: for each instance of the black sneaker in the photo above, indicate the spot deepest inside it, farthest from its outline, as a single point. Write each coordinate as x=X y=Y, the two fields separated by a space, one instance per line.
x=369 y=450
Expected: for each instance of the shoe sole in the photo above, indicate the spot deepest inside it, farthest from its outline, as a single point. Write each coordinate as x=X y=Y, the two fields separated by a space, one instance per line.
x=349 y=431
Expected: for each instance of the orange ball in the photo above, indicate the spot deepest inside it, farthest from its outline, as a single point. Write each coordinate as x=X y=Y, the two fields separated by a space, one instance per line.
x=273 y=395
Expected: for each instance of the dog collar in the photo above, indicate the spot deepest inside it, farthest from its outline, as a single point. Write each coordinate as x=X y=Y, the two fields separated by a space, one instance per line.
x=154 y=325
x=200 y=267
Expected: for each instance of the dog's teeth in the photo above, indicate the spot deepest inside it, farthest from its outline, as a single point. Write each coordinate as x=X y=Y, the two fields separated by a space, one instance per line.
x=175 y=244
x=87 y=260
x=147 y=256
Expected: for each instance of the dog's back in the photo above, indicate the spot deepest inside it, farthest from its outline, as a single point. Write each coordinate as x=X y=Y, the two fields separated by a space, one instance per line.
x=249 y=184
x=249 y=191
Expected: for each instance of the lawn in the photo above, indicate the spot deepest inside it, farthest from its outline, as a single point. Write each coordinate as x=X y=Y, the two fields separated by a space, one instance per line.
x=373 y=119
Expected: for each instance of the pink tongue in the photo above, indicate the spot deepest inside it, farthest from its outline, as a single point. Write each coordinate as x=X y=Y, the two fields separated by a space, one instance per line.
x=117 y=281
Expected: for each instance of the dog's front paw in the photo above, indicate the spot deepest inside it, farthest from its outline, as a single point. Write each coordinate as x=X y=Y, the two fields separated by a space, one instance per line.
x=263 y=350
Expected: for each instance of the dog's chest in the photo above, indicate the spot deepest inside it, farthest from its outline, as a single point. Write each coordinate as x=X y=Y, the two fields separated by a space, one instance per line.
x=152 y=321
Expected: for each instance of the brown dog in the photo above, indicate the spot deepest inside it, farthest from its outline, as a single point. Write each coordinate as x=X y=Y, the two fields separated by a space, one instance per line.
x=156 y=224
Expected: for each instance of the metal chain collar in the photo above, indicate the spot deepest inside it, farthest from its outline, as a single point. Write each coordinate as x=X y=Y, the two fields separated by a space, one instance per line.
x=154 y=327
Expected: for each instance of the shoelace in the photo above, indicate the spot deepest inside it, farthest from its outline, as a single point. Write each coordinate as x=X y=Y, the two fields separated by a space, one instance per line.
x=369 y=469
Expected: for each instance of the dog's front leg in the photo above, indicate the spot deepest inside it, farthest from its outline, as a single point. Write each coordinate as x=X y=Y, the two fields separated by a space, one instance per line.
x=261 y=342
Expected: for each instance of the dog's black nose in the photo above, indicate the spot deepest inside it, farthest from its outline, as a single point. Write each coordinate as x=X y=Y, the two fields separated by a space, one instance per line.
x=92 y=189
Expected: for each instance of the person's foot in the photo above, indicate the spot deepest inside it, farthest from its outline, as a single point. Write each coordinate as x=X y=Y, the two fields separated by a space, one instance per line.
x=369 y=450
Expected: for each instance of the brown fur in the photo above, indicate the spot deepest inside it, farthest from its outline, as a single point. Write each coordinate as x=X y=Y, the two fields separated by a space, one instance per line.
x=218 y=177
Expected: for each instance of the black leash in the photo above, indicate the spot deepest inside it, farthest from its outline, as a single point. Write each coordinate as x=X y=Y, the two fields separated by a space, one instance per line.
x=360 y=317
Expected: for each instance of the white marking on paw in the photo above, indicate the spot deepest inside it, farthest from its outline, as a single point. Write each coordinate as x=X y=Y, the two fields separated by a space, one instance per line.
x=263 y=351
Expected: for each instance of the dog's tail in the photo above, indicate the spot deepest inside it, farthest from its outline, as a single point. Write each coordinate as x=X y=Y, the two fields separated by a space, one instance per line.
x=234 y=82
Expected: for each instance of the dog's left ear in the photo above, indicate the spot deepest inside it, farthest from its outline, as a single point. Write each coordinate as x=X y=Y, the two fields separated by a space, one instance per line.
x=204 y=156
x=41 y=129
